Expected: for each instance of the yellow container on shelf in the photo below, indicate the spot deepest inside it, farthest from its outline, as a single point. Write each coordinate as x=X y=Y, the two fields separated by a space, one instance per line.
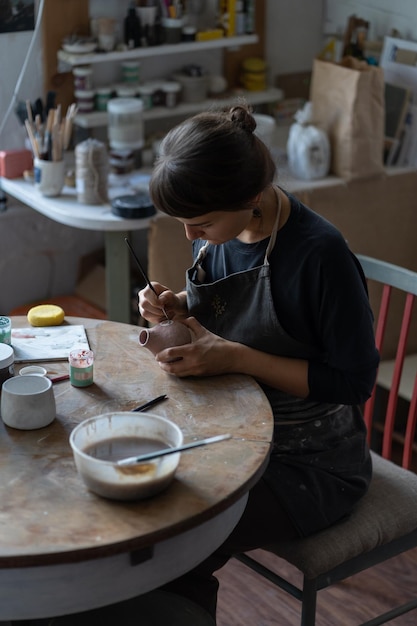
x=208 y=35
x=253 y=74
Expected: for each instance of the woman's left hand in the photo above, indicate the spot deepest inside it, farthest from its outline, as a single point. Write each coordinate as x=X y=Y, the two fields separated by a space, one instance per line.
x=207 y=355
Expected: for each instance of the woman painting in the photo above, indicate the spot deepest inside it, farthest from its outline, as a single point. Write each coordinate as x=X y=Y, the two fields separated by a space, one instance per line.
x=275 y=293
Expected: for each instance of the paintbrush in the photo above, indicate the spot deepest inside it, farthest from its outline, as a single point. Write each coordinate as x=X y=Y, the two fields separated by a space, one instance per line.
x=150 y=403
x=144 y=274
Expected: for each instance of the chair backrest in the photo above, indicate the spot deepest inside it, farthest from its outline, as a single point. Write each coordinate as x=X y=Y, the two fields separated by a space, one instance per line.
x=393 y=278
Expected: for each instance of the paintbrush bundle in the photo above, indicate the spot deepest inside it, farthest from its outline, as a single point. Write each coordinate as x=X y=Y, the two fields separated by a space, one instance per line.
x=49 y=139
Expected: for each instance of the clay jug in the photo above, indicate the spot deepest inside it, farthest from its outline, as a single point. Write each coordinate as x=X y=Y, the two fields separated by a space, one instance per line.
x=166 y=334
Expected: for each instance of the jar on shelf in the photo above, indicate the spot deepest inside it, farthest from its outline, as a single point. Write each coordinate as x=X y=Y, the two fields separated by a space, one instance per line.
x=125 y=123
x=188 y=33
x=103 y=95
x=172 y=91
x=130 y=72
x=172 y=29
x=121 y=161
x=126 y=91
x=82 y=77
x=158 y=95
x=193 y=88
x=145 y=93
x=85 y=100
x=253 y=74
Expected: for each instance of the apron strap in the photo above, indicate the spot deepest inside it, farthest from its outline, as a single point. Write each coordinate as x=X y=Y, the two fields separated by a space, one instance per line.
x=200 y=274
x=273 y=237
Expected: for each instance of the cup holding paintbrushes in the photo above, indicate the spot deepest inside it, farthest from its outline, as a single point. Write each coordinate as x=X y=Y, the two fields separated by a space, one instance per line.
x=49 y=166
x=49 y=140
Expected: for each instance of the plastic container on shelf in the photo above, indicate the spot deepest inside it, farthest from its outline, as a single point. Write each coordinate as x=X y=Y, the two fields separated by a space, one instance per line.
x=253 y=74
x=158 y=95
x=172 y=91
x=125 y=123
x=121 y=161
x=193 y=88
x=188 y=33
x=145 y=93
x=172 y=29
x=126 y=91
x=83 y=77
x=85 y=100
x=131 y=72
x=103 y=95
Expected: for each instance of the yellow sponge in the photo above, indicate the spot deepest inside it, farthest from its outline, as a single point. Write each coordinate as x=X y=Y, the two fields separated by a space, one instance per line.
x=46 y=315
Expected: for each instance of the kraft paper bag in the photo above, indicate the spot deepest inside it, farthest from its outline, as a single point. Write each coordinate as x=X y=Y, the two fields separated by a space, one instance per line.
x=348 y=103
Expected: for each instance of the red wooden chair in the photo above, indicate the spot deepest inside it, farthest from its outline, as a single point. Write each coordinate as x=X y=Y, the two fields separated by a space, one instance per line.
x=384 y=523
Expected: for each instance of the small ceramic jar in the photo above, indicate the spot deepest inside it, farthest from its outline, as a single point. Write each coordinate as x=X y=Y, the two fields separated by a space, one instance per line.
x=171 y=90
x=103 y=95
x=83 y=77
x=6 y=362
x=81 y=364
x=5 y=330
x=85 y=100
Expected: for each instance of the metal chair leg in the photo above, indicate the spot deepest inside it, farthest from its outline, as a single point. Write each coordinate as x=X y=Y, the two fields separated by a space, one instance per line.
x=309 y=601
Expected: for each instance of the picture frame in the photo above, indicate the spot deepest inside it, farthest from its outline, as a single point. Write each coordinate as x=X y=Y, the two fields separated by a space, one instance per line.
x=17 y=15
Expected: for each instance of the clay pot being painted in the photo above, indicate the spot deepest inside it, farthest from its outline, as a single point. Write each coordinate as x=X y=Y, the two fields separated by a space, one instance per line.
x=166 y=334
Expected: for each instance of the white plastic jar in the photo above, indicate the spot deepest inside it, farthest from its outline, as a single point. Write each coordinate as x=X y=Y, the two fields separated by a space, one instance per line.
x=171 y=90
x=125 y=123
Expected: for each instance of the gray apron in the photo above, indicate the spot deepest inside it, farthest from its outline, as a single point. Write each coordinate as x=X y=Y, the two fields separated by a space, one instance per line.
x=320 y=464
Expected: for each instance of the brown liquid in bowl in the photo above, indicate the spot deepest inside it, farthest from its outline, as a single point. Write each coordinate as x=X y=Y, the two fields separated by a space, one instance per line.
x=117 y=448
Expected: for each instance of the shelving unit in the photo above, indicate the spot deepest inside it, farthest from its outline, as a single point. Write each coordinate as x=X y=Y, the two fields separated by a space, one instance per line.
x=235 y=48
x=98 y=118
x=67 y=60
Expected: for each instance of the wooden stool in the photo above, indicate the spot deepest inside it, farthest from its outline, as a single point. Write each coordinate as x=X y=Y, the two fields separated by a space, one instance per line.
x=156 y=608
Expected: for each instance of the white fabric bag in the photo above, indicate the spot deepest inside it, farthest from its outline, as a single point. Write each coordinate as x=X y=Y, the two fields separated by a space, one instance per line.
x=308 y=147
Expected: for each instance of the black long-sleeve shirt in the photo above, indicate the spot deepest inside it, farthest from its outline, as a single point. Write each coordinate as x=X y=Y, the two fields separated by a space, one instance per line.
x=320 y=297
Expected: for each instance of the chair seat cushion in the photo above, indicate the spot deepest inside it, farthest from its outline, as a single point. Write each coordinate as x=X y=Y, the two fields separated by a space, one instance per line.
x=388 y=511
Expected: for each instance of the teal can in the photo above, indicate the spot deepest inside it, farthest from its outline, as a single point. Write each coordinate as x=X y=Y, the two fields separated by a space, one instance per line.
x=5 y=330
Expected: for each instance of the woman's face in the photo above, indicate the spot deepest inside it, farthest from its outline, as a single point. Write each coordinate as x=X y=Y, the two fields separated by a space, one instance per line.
x=217 y=227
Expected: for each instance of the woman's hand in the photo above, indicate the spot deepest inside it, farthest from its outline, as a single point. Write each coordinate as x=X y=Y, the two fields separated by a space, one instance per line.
x=153 y=307
x=207 y=355
x=211 y=355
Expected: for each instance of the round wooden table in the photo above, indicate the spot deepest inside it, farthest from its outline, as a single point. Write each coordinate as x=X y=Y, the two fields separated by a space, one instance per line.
x=62 y=548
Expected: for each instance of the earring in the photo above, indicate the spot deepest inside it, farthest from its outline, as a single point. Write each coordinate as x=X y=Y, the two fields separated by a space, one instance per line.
x=256 y=212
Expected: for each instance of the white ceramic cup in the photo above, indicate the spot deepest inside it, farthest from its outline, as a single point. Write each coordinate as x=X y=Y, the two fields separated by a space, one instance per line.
x=49 y=176
x=27 y=402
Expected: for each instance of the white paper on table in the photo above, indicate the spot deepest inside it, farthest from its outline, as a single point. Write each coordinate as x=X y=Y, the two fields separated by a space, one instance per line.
x=47 y=343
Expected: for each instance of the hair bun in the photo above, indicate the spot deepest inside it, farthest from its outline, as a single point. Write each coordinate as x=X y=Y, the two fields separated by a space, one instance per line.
x=243 y=118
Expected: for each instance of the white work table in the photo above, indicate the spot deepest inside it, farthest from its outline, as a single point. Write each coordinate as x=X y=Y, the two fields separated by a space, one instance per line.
x=65 y=209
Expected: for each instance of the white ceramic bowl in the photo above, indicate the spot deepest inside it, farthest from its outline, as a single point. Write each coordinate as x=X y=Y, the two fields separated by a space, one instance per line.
x=33 y=370
x=27 y=402
x=132 y=482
